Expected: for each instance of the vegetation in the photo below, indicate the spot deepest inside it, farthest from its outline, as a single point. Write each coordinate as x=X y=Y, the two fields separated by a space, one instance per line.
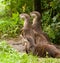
x=51 y=20
x=10 y=23
x=10 y=55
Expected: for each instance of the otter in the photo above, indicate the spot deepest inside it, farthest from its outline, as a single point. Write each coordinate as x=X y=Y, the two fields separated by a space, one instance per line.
x=42 y=46
x=42 y=40
x=37 y=25
x=27 y=31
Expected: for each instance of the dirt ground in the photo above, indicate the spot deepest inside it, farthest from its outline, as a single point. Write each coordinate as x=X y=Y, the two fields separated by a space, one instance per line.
x=19 y=42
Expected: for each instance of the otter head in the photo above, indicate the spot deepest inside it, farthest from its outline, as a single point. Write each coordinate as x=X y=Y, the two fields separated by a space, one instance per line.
x=36 y=25
x=35 y=14
x=26 y=18
x=36 y=18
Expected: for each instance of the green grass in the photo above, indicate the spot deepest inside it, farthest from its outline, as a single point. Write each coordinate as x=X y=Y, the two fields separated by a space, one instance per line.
x=10 y=55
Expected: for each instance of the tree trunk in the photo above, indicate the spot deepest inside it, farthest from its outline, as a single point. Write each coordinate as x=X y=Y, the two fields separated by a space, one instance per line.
x=37 y=5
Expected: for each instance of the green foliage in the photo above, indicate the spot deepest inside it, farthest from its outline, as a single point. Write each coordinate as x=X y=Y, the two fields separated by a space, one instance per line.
x=10 y=27
x=12 y=24
x=18 y=5
x=10 y=55
x=51 y=20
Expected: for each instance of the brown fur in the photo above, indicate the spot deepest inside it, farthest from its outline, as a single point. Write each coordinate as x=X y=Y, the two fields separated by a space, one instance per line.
x=42 y=49
x=38 y=43
x=37 y=25
x=27 y=31
x=43 y=44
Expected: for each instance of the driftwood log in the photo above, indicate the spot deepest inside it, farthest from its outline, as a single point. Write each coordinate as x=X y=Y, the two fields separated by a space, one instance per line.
x=39 y=42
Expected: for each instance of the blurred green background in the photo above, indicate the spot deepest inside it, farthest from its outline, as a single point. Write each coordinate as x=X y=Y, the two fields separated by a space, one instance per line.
x=10 y=22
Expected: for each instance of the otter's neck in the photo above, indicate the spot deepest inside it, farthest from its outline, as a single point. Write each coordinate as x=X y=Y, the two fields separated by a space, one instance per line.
x=37 y=24
x=26 y=23
x=36 y=20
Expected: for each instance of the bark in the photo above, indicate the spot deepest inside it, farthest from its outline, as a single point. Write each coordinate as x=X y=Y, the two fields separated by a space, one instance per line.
x=37 y=5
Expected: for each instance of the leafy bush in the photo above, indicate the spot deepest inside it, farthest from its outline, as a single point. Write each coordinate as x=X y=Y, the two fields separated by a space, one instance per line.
x=10 y=27
x=18 y=6
x=51 y=20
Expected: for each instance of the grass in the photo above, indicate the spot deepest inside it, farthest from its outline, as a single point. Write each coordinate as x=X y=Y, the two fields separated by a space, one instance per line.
x=10 y=55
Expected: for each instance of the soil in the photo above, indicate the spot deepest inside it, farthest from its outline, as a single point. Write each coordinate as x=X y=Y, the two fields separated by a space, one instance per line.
x=19 y=43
